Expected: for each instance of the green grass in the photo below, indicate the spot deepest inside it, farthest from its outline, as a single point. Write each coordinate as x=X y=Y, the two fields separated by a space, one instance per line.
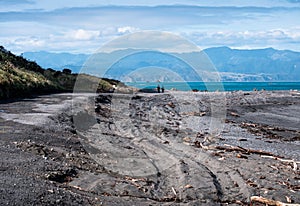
x=17 y=82
x=21 y=78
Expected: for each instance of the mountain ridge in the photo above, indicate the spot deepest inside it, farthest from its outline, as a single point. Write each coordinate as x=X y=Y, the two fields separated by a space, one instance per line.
x=267 y=64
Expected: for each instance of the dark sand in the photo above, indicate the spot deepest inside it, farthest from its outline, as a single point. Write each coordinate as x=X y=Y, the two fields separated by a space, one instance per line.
x=177 y=148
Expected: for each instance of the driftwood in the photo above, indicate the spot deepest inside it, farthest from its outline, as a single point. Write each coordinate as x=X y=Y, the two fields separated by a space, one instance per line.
x=270 y=202
x=231 y=148
x=295 y=166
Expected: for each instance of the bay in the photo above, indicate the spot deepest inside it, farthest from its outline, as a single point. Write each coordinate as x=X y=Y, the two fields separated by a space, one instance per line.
x=218 y=86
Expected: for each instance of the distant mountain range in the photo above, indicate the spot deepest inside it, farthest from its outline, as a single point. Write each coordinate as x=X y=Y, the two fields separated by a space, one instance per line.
x=259 y=64
x=57 y=61
x=232 y=64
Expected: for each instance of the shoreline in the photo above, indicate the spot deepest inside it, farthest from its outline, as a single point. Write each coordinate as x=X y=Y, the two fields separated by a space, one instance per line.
x=221 y=86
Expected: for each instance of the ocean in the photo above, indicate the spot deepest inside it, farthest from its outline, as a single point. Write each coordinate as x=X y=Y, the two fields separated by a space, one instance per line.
x=218 y=86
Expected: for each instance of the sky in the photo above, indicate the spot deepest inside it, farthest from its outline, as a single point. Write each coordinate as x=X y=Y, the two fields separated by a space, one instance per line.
x=83 y=26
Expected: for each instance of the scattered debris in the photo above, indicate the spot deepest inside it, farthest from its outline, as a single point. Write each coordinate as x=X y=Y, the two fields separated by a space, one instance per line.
x=234 y=114
x=241 y=156
x=295 y=163
x=187 y=139
x=233 y=171
x=174 y=191
x=270 y=202
x=62 y=176
x=231 y=148
x=188 y=186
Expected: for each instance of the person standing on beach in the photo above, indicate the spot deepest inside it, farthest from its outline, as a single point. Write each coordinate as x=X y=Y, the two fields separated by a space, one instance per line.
x=158 y=88
x=162 y=89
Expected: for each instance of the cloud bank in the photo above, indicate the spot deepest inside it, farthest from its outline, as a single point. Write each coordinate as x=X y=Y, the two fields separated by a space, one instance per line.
x=77 y=26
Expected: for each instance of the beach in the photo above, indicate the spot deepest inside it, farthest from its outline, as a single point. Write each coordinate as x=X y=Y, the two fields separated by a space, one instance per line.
x=172 y=148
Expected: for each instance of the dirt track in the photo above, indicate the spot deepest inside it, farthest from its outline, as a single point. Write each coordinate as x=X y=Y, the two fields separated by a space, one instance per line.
x=149 y=149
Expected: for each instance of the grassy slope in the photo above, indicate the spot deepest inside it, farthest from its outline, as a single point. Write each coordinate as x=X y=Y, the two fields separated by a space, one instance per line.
x=20 y=77
x=16 y=82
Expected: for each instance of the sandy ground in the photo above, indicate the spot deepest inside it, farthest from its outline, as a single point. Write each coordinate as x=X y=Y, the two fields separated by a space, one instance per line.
x=176 y=148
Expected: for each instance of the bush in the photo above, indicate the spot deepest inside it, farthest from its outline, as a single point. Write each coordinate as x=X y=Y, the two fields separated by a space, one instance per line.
x=67 y=71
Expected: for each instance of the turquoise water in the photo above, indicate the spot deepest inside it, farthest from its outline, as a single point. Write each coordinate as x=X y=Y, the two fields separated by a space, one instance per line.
x=220 y=86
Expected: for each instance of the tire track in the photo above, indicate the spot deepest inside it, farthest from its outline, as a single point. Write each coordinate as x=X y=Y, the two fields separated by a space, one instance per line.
x=178 y=172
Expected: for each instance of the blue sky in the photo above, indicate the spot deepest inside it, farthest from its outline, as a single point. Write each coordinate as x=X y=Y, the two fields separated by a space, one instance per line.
x=79 y=26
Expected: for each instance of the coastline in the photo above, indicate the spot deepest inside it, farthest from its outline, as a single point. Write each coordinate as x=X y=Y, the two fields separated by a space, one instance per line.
x=220 y=86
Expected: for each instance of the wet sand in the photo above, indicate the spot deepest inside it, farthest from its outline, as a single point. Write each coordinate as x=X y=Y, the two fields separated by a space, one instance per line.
x=176 y=148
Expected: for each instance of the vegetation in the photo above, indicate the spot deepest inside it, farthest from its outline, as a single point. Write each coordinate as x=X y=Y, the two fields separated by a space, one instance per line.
x=20 y=77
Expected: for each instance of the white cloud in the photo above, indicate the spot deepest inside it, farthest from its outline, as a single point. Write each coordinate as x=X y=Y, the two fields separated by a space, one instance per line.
x=24 y=44
x=151 y=40
x=81 y=34
x=109 y=31
x=88 y=28
x=127 y=30
x=277 y=38
x=294 y=33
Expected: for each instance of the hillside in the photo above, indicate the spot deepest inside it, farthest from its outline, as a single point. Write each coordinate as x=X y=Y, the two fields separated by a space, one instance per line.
x=267 y=64
x=21 y=78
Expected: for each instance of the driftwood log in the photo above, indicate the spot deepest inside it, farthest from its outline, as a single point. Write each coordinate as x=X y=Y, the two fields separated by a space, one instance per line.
x=231 y=148
x=295 y=163
x=270 y=202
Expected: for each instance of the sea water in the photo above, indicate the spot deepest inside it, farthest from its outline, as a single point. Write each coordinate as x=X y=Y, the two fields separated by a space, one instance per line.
x=218 y=86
